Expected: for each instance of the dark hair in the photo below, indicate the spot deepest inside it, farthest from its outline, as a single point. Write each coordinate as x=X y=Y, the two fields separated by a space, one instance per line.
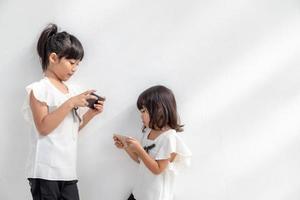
x=161 y=106
x=62 y=43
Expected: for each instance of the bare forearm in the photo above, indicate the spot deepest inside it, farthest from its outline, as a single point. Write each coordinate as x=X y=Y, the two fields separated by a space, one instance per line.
x=132 y=155
x=149 y=162
x=85 y=119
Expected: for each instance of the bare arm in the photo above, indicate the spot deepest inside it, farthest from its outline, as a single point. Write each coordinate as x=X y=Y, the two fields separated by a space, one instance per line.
x=85 y=119
x=91 y=113
x=46 y=122
x=155 y=166
x=131 y=154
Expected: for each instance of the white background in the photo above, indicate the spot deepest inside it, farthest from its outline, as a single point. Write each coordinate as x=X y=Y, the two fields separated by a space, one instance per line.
x=233 y=66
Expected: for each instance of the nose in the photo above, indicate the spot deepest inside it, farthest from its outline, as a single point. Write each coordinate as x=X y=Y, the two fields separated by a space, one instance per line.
x=74 y=68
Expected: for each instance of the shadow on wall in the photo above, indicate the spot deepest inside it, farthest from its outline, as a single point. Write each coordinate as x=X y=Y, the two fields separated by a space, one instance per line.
x=106 y=171
x=20 y=69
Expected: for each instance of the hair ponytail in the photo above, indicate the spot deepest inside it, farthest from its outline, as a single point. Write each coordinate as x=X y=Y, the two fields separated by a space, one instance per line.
x=50 y=30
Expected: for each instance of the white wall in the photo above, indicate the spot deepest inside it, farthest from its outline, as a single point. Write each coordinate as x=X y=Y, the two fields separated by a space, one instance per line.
x=233 y=66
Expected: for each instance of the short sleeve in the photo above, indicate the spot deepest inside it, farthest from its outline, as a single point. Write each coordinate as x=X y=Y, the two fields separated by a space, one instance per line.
x=41 y=93
x=173 y=143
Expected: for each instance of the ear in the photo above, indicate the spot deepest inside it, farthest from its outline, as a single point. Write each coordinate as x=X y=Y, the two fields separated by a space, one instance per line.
x=53 y=58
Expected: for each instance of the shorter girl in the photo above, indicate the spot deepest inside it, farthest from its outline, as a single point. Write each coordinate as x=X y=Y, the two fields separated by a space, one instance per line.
x=162 y=151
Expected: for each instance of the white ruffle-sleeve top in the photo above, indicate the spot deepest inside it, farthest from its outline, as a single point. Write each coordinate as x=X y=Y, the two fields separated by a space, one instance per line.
x=161 y=187
x=52 y=157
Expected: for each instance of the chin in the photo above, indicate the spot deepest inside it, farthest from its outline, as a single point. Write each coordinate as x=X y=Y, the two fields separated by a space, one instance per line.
x=66 y=78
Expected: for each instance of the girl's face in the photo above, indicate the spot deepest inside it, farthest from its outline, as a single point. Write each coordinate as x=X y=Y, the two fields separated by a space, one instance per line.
x=145 y=117
x=63 y=68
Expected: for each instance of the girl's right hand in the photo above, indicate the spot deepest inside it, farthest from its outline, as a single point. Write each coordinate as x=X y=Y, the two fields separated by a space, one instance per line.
x=81 y=99
x=118 y=143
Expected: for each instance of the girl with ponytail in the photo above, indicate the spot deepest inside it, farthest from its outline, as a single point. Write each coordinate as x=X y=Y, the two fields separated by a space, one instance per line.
x=53 y=107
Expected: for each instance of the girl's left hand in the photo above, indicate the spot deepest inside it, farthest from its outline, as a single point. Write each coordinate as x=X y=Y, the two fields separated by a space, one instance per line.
x=134 y=145
x=98 y=108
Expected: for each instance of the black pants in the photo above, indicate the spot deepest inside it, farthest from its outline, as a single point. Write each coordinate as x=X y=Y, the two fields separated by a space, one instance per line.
x=131 y=197
x=53 y=190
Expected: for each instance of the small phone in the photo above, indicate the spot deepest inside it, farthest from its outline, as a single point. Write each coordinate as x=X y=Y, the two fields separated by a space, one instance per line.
x=122 y=139
x=92 y=102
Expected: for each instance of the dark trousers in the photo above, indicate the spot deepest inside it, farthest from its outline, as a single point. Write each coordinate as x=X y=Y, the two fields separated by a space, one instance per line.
x=53 y=190
x=131 y=197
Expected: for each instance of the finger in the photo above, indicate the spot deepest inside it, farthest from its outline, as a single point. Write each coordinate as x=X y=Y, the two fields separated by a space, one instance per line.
x=98 y=105
x=99 y=108
x=129 y=140
x=90 y=96
x=100 y=102
x=115 y=139
x=89 y=92
x=117 y=144
x=102 y=98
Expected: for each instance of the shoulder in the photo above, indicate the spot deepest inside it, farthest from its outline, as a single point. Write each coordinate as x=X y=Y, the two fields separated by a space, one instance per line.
x=170 y=134
x=37 y=85
x=39 y=82
x=43 y=91
x=172 y=138
x=167 y=137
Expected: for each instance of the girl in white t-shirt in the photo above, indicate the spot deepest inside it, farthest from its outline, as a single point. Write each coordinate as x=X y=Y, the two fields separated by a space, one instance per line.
x=161 y=152
x=52 y=107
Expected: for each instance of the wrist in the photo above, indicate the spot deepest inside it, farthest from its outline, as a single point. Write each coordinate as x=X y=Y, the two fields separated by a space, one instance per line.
x=70 y=104
x=91 y=113
x=139 y=150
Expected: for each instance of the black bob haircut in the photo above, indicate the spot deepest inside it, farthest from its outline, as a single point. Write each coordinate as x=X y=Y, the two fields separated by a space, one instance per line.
x=161 y=106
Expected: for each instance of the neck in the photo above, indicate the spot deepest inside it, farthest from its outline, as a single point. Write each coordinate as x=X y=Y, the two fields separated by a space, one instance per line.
x=51 y=75
x=158 y=131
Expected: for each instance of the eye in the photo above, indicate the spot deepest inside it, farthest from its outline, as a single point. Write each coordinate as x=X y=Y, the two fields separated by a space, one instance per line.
x=143 y=110
x=73 y=61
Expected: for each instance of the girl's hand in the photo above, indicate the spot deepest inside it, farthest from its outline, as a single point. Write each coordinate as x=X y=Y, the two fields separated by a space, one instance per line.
x=134 y=145
x=98 y=108
x=81 y=99
x=118 y=143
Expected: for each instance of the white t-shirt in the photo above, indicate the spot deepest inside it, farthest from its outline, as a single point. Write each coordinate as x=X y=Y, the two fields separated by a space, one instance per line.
x=161 y=187
x=52 y=157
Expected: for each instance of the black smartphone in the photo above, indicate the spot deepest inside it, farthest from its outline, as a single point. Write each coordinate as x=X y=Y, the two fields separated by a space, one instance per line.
x=92 y=102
